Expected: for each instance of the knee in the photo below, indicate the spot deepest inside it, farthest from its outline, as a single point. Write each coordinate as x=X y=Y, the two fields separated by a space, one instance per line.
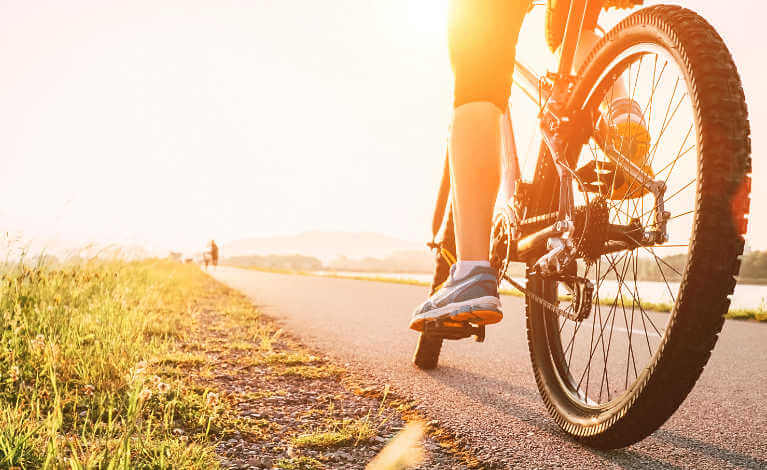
x=482 y=86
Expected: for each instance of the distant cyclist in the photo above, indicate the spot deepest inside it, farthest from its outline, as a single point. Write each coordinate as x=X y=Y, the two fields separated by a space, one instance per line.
x=482 y=37
x=213 y=253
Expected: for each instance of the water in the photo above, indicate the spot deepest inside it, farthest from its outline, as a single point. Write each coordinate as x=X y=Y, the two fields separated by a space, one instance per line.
x=747 y=296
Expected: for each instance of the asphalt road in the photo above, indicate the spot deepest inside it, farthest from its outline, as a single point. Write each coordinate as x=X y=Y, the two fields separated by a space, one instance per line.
x=486 y=393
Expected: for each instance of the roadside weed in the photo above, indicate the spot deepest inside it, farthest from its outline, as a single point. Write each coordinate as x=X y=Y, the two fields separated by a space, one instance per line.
x=77 y=347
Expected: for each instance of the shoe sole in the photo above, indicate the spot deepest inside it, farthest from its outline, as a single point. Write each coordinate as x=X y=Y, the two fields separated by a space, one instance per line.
x=481 y=311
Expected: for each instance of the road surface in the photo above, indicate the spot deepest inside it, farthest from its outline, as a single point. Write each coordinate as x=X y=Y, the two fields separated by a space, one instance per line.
x=485 y=392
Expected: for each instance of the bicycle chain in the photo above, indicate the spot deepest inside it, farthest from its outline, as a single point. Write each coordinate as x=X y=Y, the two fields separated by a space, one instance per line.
x=592 y=237
x=581 y=315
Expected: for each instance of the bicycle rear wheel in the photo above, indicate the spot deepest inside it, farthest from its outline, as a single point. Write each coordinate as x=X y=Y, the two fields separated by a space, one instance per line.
x=615 y=377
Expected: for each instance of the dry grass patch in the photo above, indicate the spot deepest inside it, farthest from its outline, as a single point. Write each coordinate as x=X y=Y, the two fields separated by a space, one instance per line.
x=311 y=372
x=184 y=359
x=300 y=463
x=338 y=434
x=290 y=358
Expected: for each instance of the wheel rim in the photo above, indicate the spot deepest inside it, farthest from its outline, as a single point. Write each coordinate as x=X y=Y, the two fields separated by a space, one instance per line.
x=601 y=359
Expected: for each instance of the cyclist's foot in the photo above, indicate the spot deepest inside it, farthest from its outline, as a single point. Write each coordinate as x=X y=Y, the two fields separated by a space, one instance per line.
x=631 y=137
x=472 y=298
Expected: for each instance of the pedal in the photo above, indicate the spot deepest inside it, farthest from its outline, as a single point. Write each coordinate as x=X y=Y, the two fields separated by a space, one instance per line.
x=450 y=329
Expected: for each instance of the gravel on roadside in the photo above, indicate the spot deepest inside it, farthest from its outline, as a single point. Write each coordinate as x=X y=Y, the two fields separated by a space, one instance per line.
x=293 y=408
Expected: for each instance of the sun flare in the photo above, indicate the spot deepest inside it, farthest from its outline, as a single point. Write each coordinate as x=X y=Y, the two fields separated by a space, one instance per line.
x=428 y=16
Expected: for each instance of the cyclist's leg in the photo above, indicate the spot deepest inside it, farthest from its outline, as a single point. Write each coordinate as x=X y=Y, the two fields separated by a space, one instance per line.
x=482 y=37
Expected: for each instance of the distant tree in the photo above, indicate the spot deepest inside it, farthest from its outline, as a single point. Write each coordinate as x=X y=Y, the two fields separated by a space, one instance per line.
x=754 y=265
x=398 y=262
x=291 y=262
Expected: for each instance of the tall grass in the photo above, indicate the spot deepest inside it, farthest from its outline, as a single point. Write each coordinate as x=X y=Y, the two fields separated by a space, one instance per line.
x=76 y=346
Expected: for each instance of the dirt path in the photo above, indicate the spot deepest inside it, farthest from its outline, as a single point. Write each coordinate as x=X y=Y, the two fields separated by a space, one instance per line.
x=485 y=393
x=285 y=406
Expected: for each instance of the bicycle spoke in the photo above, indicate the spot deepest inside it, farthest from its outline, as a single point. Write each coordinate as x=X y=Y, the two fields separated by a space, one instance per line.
x=637 y=299
x=652 y=152
x=668 y=107
x=659 y=259
x=588 y=364
x=664 y=275
x=606 y=353
x=682 y=154
x=676 y=159
x=677 y=216
x=647 y=113
x=641 y=310
x=603 y=361
x=636 y=78
x=630 y=328
x=592 y=347
x=673 y=195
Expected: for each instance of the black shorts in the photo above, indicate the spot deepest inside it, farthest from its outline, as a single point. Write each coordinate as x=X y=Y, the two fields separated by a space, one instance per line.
x=482 y=38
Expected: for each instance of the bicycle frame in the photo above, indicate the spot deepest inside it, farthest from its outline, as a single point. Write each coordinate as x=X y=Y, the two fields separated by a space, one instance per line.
x=554 y=127
x=552 y=248
x=530 y=83
x=558 y=128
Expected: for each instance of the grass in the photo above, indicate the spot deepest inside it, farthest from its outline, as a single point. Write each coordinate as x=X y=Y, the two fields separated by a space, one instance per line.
x=81 y=348
x=310 y=372
x=300 y=463
x=290 y=358
x=748 y=314
x=119 y=365
x=345 y=432
x=338 y=434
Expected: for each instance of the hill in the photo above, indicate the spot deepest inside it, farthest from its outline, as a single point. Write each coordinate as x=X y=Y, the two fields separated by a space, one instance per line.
x=325 y=246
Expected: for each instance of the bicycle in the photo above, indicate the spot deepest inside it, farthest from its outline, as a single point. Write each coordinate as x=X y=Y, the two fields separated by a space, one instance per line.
x=610 y=366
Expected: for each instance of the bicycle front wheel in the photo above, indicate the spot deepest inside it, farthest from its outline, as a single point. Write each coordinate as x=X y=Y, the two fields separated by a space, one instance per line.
x=615 y=377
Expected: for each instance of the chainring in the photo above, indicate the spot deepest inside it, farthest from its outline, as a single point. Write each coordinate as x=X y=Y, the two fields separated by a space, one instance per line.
x=502 y=242
x=591 y=224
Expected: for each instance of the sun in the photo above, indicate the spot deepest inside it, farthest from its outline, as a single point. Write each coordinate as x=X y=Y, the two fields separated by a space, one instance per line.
x=427 y=17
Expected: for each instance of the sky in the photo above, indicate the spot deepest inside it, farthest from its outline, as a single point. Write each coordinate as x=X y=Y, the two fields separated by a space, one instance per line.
x=170 y=122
